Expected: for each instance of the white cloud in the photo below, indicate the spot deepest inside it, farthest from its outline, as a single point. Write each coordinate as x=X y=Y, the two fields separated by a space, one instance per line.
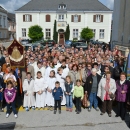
x=13 y=5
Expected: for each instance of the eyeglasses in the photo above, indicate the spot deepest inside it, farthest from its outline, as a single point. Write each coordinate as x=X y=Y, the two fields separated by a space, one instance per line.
x=31 y=59
x=89 y=66
x=80 y=65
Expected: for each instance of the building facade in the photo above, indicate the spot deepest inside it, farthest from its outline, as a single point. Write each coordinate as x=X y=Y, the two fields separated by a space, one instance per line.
x=3 y=24
x=121 y=25
x=11 y=26
x=78 y=14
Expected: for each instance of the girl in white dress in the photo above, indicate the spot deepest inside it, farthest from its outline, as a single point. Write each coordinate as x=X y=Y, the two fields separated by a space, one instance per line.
x=50 y=86
x=40 y=89
x=60 y=77
x=28 y=89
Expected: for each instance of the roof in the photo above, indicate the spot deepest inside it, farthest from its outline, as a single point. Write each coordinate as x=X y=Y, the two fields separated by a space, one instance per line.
x=2 y=9
x=11 y=17
x=72 y=5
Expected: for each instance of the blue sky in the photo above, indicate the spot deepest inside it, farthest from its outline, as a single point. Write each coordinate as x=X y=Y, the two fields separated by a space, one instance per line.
x=12 y=5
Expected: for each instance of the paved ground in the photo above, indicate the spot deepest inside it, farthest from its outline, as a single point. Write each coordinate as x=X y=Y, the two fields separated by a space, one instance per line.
x=46 y=120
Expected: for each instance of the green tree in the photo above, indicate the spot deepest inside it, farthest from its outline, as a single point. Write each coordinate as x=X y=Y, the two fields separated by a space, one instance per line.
x=87 y=34
x=67 y=33
x=35 y=33
x=55 y=33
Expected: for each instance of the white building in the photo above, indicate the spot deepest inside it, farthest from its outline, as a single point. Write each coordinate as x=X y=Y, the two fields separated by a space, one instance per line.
x=3 y=24
x=78 y=14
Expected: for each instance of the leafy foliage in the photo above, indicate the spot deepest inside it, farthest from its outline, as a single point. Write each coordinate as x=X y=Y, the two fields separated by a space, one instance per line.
x=55 y=33
x=67 y=33
x=87 y=34
x=35 y=33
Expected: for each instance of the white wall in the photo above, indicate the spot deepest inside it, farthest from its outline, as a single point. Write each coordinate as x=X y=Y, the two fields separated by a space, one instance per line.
x=86 y=20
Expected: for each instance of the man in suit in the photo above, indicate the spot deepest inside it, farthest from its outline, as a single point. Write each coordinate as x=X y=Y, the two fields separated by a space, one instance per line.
x=91 y=87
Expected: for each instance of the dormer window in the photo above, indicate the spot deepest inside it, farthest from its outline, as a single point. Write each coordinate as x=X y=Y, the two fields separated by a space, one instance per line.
x=62 y=6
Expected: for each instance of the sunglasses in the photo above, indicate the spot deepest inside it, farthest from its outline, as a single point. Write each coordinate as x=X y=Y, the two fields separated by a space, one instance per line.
x=31 y=59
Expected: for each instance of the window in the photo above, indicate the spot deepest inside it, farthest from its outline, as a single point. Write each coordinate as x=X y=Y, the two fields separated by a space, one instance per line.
x=4 y=24
x=27 y=18
x=98 y=18
x=94 y=32
x=62 y=6
x=75 y=33
x=75 y=18
x=48 y=18
x=23 y=32
x=0 y=35
x=61 y=17
x=101 y=34
x=48 y=33
x=0 y=21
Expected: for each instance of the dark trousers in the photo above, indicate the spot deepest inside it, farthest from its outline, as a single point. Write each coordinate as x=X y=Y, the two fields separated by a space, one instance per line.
x=78 y=103
x=107 y=106
x=57 y=104
x=121 y=110
x=13 y=108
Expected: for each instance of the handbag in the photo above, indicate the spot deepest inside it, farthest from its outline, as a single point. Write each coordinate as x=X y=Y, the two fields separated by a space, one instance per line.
x=85 y=101
x=112 y=96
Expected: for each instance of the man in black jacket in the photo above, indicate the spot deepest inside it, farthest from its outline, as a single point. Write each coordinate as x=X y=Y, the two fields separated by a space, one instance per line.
x=91 y=87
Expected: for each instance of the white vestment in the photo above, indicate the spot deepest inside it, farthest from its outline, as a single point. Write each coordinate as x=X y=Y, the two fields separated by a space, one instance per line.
x=48 y=70
x=40 y=86
x=50 y=85
x=29 y=100
x=36 y=69
x=61 y=79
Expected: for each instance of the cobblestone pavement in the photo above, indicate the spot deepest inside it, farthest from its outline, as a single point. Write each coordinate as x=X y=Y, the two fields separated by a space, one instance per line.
x=46 y=120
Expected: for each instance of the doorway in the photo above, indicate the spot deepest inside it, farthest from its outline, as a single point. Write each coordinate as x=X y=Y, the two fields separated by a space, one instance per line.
x=61 y=38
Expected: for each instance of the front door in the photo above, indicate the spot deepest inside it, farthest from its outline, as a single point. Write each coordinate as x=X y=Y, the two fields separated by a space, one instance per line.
x=61 y=38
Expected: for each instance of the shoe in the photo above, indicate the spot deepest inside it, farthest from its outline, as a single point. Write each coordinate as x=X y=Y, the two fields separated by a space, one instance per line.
x=54 y=111
x=109 y=115
x=7 y=115
x=71 y=110
x=116 y=115
x=59 y=111
x=33 y=108
x=67 y=109
x=27 y=109
x=15 y=116
x=52 y=108
x=97 y=109
x=77 y=112
x=89 y=109
x=102 y=113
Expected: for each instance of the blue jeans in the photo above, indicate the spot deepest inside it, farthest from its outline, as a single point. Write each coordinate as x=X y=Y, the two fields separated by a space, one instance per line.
x=13 y=107
x=69 y=102
x=93 y=100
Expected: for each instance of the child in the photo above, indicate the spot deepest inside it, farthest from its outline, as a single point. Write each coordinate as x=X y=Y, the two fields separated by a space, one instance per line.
x=10 y=94
x=50 y=86
x=61 y=79
x=69 y=87
x=1 y=90
x=78 y=95
x=28 y=89
x=57 y=94
x=40 y=88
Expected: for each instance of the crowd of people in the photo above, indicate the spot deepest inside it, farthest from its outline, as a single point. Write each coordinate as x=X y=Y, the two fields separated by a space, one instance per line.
x=65 y=76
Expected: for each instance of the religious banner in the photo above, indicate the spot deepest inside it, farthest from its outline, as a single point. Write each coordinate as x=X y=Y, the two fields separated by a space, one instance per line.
x=16 y=54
